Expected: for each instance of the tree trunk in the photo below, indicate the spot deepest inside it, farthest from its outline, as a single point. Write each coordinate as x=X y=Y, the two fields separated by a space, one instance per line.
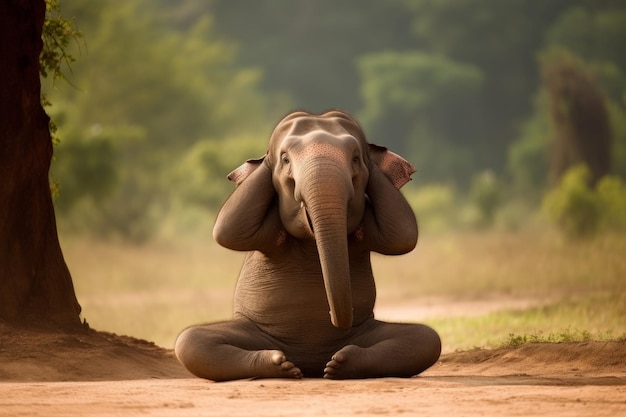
x=580 y=118
x=35 y=284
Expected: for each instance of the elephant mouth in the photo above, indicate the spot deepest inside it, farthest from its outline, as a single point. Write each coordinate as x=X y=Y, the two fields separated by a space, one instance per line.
x=308 y=218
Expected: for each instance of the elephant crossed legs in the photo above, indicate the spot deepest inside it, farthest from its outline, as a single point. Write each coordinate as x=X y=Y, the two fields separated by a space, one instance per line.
x=385 y=350
x=232 y=350
x=238 y=349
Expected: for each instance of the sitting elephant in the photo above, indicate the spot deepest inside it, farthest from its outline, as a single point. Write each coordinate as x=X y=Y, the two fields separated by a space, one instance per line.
x=309 y=213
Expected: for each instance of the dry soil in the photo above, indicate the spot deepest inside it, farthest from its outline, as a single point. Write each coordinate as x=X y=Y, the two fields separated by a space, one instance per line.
x=89 y=373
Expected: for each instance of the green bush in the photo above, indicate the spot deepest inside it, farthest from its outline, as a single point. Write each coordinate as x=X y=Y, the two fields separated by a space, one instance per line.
x=573 y=205
x=581 y=210
x=434 y=206
x=200 y=177
x=612 y=196
x=486 y=196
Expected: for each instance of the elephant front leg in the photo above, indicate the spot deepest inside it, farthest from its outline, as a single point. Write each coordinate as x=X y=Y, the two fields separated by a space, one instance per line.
x=386 y=350
x=231 y=350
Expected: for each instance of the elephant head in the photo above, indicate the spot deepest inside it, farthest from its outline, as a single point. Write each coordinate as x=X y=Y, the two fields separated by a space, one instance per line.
x=320 y=168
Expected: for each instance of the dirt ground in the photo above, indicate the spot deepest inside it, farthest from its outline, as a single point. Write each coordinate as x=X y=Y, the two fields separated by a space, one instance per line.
x=99 y=374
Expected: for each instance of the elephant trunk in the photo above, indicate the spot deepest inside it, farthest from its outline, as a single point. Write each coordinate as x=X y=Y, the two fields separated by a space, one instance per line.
x=325 y=191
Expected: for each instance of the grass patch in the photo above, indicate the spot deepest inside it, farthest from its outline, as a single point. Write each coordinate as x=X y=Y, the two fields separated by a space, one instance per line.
x=596 y=317
x=474 y=265
x=564 y=336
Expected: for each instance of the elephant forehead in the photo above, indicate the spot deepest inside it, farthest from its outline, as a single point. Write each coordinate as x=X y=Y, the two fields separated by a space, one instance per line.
x=322 y=143
x=301 y=123
x=333 y=125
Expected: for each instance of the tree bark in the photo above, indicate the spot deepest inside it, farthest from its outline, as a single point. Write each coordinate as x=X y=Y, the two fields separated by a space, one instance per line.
x=35 y=284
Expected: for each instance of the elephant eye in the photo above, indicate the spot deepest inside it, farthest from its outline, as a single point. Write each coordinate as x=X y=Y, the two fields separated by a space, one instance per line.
x=284 y=158
x=356 y=159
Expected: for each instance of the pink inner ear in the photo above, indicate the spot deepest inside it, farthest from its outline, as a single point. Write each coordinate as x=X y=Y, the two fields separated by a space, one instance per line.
x=247 y=168
x=396 y=168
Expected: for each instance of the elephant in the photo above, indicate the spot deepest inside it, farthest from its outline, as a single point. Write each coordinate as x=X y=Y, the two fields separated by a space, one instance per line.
x=309 y=213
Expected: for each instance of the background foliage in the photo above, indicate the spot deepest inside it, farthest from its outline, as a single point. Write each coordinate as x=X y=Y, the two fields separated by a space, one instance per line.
x=165 y=98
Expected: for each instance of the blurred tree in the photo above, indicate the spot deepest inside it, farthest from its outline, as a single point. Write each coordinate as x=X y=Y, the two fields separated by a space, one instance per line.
x=435 y=206
x=410 y=99
x=529 y=156
x=595 y=31
x=617 y=114
x=35 y=284
x=308 y=49
x=311 y=49
x=579 y=116
x=486 y=196
x=213 y=160
x=164 y=81
x=145 y=93
x=597 y=34
x=500 y=39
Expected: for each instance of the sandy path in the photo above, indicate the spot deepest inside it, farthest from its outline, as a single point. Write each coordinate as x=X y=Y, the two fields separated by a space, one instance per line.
x=98 y=374
x=432 y=395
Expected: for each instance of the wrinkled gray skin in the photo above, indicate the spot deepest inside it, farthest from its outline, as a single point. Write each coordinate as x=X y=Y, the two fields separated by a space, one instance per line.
x=309 y=213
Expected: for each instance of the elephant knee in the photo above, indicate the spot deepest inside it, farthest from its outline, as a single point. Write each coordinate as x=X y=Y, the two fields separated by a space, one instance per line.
x=181 y=347
x=191 y=350
x=190 y=345
x=431 y=345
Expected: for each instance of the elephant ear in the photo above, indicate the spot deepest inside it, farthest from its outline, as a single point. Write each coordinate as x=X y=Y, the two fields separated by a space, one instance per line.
x=247 y=168
x=395 y=167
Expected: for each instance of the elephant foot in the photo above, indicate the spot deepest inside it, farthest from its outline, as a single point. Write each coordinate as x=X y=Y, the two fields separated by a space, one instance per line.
x=274 y=364
x=348 y=363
